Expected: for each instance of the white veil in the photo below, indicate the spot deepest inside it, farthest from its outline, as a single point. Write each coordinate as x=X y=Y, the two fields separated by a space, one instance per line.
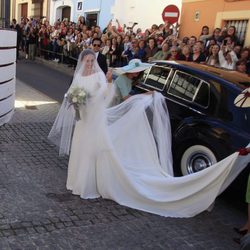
x=61 y=132
x=81 y=67
x=155 y=110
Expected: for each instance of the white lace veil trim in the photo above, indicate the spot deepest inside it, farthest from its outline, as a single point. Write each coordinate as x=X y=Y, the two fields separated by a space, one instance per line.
x=62 y=129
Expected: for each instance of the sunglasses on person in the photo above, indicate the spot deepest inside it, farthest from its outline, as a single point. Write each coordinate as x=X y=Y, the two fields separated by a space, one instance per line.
x=96 y=45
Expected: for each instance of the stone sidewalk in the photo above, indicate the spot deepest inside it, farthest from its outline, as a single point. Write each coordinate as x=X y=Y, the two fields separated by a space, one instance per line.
x=37 y=212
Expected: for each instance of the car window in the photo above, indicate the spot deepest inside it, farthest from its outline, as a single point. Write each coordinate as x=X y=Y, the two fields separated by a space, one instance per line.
x=189 y=88
x=156 y=77
x=202 y=96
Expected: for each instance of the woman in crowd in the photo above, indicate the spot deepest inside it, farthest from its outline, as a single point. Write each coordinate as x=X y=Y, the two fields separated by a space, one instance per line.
x=141 y=54
x=43 y=38
x=213 y=58
x=131 y=52
x=241 y=66
x=237 y=49
x=174 y=54
x=162 y=54
x=185 y=53
x=32 y=43
x=204 y=34
x=231 y=32
x=113 y=52
x=118 y=51
x=106 y=51
x=208 y=46
x=146 y=34
x=127 y=79
x=245 y=54
x=185 y=40
x=151 y=48
x=54 y=35
x=197 y=55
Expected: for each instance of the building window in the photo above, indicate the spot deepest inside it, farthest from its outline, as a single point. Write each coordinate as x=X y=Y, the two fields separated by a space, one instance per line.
x=241 y=28
x=92 y=19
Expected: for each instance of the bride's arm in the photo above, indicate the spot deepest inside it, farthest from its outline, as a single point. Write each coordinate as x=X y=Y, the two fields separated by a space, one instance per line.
x=107 y=89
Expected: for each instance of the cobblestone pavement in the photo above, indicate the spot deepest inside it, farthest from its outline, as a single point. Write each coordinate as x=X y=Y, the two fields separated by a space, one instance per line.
x=37 y=212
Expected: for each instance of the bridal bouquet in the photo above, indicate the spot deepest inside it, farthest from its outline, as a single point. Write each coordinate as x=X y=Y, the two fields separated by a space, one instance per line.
x=76 y=96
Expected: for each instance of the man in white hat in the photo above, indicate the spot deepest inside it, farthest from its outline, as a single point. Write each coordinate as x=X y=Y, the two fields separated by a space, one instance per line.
x=128 y=75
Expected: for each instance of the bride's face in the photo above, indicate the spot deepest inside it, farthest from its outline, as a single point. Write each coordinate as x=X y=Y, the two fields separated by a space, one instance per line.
x=89 y=61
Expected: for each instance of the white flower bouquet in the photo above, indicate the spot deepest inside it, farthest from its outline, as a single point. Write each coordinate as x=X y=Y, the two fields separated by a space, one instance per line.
x=76 y=96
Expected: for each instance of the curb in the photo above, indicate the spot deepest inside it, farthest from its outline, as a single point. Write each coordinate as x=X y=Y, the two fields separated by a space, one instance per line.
x=54 y=65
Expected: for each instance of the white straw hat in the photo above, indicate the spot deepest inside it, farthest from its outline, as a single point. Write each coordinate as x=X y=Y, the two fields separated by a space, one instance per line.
x=134 y=66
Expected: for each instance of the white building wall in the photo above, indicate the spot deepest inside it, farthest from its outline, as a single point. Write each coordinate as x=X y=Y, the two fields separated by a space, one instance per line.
x=56 y=9
x=144 y=12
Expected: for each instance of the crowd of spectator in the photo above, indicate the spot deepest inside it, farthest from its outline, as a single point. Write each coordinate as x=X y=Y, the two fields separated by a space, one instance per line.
x=63 y=42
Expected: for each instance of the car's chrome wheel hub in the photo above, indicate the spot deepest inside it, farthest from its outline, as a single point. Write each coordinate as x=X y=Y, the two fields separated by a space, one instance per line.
x=198 y=162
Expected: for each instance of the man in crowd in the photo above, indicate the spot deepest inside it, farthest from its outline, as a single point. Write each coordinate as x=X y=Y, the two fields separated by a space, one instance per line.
x=101 y=59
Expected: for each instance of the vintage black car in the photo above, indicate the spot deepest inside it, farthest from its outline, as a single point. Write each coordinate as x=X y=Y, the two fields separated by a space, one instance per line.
x=206 y=125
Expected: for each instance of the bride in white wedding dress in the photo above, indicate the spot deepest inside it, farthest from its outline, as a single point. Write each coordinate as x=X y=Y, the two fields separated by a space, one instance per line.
x=123 y=153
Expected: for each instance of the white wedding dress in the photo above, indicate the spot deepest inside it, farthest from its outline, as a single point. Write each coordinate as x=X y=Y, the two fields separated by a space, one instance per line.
x=124 y=153
x=88 y=138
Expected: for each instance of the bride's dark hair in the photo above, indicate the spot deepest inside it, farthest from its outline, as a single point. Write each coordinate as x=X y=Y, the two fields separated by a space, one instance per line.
x=81 y=64
x=86 y=52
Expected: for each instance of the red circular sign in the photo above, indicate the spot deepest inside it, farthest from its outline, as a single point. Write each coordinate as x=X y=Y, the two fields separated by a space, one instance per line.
x=171 y=14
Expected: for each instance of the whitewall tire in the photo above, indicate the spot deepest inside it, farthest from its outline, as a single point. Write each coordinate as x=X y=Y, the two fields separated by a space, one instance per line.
x=196 y=158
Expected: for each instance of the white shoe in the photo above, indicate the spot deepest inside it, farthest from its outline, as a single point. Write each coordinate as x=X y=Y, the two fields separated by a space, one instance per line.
x=26 y=56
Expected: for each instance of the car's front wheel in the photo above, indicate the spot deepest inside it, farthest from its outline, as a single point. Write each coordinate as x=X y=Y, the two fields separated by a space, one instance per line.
x=196 y=158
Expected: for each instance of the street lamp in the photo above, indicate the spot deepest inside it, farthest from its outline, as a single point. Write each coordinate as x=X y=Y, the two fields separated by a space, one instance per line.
x=4 y=13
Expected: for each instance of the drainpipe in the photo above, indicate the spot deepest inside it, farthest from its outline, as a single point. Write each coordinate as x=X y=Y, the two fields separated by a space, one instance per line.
x=98 y=21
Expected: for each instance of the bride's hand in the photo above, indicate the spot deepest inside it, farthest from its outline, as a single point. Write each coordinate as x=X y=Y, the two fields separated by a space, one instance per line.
x=109 y=76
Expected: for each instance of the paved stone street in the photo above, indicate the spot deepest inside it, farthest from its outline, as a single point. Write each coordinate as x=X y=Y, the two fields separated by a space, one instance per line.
x=37 y=212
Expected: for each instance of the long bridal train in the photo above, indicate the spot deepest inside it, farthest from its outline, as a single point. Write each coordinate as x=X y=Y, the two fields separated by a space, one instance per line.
x=149 y=190
x=137 y=172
